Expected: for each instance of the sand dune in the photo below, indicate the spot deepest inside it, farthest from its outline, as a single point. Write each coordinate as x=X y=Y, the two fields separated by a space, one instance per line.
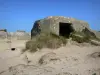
x=68 y=60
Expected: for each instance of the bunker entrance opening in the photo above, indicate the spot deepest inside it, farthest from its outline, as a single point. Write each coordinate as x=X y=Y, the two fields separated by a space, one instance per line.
x=65 y=29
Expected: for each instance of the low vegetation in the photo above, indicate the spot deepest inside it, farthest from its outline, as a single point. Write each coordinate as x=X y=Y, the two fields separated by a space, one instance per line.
x=52 y=41
x=79 y=37
x=45 y=40
x=98 y=39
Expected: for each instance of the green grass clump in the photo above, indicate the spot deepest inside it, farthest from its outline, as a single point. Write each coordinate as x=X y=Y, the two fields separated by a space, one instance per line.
x=79 y=37
x=82 y=38
x=45 y=40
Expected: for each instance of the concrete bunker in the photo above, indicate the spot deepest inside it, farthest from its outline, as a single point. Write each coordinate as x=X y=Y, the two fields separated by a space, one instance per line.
x=65 y=29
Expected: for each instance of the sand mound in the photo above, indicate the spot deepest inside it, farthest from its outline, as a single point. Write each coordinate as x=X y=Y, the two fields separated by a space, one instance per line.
x=68 y=60
x=65 y=73
x=22 y=69
x=95 y=55
x=47 y=58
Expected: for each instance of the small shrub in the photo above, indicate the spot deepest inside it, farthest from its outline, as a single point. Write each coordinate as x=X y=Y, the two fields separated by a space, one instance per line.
x=30 y=45
x=47 y=40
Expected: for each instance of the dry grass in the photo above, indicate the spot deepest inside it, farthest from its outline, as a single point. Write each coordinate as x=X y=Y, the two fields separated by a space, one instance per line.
x=52 y=41
x=79 y=37
x=45 y=40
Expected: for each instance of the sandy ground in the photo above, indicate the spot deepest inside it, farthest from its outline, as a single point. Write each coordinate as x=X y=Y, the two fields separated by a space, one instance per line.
x=68 y=60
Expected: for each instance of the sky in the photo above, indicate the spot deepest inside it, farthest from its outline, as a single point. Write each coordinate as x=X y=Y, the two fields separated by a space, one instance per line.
x=21 y=14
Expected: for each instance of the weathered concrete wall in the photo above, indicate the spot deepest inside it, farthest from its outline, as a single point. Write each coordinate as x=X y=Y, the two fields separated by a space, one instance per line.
x=21 y=35
x=15 y=35
x=51 y=24
x=77 y=24
x=3 y=35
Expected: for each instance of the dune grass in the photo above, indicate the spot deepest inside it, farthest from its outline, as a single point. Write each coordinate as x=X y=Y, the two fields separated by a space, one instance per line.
x=45 y=40
x=53 y=41
x=80 y=37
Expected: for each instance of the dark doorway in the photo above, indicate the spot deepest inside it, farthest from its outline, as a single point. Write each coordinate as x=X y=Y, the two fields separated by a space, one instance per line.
x=65 y=29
